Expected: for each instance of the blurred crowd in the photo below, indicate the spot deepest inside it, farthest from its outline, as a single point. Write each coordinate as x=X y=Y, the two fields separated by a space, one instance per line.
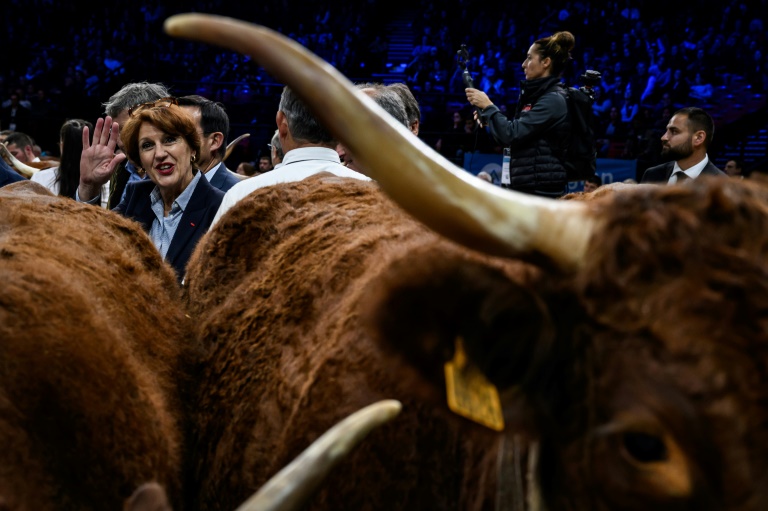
x=652 y=57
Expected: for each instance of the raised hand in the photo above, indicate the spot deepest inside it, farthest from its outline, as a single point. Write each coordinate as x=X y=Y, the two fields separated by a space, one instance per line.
x=98 y=160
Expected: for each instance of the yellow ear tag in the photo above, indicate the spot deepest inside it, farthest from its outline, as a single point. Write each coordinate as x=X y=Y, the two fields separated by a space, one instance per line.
x=470 y=394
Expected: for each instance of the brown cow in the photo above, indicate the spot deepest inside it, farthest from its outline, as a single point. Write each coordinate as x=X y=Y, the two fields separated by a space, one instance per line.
x=641 y=368
x=94 y=348
x=282 y=315
x=96 y=353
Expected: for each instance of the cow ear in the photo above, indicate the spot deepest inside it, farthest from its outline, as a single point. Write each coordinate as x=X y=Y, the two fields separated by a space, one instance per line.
x=424 y=301
x=148 y=497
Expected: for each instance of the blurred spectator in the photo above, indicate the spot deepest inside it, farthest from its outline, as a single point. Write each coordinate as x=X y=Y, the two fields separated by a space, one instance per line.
x=734 y=168
x=247 y=169
x=485 y=176
x=592 y=183
x=612 y=141
x=21 y=146
x=265 y=164
x=16 y=116
x=276 y=150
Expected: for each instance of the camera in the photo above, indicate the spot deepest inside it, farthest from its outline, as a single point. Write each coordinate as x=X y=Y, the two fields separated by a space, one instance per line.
x=462 y=56
x=590 y=78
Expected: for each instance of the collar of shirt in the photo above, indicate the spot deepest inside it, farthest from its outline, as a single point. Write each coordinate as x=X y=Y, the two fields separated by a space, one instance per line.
x=180 y=204
x=133 y=173
x=311 y=153
x=692 y=172
x=163 y=228
x=209 y=175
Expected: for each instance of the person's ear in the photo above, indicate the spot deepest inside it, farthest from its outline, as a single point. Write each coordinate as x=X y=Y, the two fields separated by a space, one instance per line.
x=282 y=123
x=217 y=140
x=699 y=137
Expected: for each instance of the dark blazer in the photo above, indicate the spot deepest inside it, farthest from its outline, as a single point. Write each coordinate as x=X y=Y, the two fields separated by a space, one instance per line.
x=195 y=220
x=8 y=175
x=661 y=173
x=224 y=179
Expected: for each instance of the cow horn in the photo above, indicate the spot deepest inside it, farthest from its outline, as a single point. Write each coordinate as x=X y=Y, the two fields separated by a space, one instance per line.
x=296 y=483
x=439 y=194
x=22 y=168
x=231 y=145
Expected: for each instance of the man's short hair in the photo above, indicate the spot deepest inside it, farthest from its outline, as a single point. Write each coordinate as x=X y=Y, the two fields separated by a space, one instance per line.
x=699 y=120
x=133 y=94
x=303 y=125
x=21 y=140
x=387 y=99
x=277 y=145
x=595 y=180
x=412 y=109
x=213 y=118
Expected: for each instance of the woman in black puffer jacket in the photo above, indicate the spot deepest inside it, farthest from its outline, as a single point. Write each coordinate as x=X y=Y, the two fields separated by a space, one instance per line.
x=536 y=136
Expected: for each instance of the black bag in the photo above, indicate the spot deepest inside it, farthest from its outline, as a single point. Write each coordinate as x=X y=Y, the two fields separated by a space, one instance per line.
x=580 y=152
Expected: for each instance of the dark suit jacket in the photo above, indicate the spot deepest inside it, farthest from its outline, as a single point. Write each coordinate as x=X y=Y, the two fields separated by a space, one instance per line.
x=224 y=179
x=8 y=175
x=195 y=220
x=661 y=173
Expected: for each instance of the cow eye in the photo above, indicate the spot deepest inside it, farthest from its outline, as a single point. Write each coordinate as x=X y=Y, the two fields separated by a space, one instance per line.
x=644 y=448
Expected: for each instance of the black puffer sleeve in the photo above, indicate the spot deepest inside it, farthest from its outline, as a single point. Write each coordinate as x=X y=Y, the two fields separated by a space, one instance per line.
x=549 y=111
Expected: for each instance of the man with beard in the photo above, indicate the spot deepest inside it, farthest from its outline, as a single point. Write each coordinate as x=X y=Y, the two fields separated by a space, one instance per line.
x=685 y=143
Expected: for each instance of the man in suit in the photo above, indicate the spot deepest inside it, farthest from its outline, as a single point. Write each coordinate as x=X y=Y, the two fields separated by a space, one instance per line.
x=213 y=125
x=685 y=143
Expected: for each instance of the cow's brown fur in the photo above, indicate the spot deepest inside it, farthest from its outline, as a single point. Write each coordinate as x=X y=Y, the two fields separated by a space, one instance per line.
x=664 y=334
x=661 y=333
x=93 y=343
x=677 y=283
x=277 y=288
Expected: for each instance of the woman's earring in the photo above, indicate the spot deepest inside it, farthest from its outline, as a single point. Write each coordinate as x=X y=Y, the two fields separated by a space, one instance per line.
x=193 y=158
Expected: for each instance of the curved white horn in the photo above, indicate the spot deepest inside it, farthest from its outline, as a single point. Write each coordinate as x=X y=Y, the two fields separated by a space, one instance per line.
x=297 y=482
x=24 y=169
x=231 y=145
x=444 y=197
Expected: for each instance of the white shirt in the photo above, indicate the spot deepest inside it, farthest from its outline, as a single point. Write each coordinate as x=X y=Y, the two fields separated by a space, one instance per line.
x=163 y=227
x=47 y=178
x=298 y=164
x=692 y=172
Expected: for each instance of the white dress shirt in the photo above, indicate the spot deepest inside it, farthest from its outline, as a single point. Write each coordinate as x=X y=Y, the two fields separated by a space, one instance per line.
x=692 y=172
x=298 y=164
x=47 y=178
